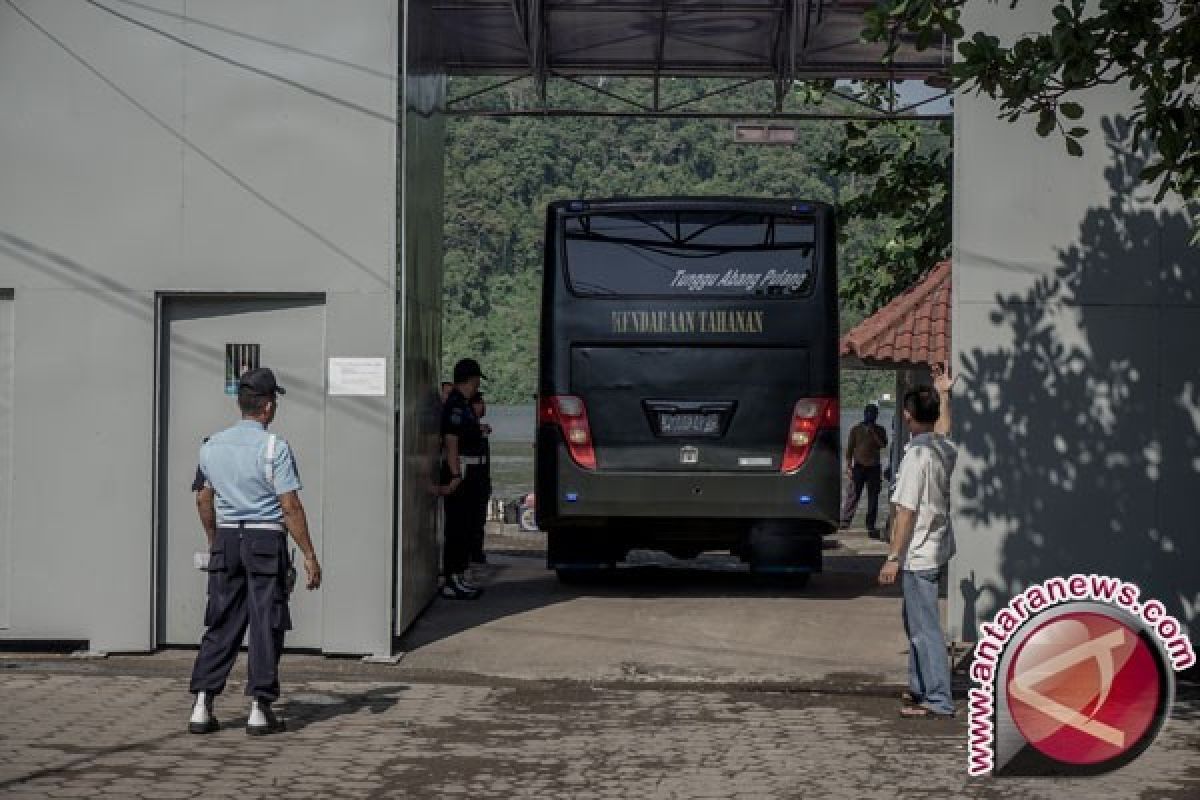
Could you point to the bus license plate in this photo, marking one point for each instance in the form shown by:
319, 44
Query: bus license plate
689, 424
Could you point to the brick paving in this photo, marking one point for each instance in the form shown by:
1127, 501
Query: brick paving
83, 730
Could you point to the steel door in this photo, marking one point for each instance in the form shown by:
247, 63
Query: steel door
196, 338
7, 354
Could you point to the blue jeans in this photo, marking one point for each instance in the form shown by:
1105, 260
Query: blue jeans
928, 663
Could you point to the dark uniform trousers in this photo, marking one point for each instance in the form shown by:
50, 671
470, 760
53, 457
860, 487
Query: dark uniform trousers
481, 492
872, 478
247, 587
462, 508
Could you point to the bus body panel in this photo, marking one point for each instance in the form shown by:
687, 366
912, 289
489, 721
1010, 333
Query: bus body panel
738, 388
811, 495
735, 364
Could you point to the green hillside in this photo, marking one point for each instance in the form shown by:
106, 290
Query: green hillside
501, 173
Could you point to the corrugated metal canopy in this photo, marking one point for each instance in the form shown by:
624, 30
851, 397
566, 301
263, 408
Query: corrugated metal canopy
780, 39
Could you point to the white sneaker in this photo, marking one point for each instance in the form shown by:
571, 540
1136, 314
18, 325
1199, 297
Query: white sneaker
202, 720
456, 588
262, 720
465, 583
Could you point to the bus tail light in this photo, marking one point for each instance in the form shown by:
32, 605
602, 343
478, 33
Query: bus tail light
570, 415
810, 416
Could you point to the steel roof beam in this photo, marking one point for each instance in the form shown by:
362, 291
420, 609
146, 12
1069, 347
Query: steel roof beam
710, 115
530, 18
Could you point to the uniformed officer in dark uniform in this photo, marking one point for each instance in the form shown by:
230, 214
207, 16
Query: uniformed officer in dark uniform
462, 443
483, 490
248, 505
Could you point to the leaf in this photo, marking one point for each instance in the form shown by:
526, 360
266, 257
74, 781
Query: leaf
1071, 110
1152, 172
1074, 147
1046, 122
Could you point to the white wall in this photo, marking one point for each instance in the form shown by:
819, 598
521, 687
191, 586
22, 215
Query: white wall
1077, 305
135, 163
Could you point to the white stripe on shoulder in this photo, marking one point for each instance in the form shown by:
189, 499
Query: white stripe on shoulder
269, 467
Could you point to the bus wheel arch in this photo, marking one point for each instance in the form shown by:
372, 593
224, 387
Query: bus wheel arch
580, 548
785, 547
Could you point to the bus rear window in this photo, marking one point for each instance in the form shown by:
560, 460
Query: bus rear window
696, 254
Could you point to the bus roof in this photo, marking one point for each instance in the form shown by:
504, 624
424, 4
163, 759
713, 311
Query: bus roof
691, 203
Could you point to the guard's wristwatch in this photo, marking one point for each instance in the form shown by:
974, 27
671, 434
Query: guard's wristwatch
892, 557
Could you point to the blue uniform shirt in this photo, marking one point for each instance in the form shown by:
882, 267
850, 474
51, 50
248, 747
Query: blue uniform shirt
234, 463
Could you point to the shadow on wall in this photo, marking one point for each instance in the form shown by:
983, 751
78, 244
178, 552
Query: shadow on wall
1088, 420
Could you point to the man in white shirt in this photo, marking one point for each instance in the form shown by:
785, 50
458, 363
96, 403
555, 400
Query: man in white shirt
923, 542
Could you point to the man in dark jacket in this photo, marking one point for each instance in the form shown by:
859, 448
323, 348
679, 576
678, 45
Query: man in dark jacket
867, 440
462, 441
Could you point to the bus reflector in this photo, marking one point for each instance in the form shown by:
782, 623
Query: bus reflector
569, 414
809, 416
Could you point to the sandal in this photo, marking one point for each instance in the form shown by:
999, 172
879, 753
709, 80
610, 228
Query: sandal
910, 711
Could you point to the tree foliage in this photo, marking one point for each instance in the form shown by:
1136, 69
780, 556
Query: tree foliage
1152, 46
902, 172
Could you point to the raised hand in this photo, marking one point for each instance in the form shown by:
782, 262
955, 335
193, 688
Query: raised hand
943, 383
942, 380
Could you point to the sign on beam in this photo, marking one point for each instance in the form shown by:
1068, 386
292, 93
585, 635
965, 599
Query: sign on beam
764, 134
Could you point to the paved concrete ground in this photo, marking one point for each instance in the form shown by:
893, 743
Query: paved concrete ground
661, 683
660, 619
118, 731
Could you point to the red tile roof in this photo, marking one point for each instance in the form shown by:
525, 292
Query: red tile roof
912, 329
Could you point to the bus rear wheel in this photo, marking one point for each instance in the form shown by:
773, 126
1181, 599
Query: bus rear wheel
577, 555
784, 554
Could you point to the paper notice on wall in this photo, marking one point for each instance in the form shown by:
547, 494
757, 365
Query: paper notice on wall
363, 377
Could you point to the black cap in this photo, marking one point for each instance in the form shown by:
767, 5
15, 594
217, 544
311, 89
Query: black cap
466, 369
261, 381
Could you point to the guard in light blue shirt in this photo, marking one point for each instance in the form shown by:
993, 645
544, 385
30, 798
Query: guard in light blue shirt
246, 475
248, 503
